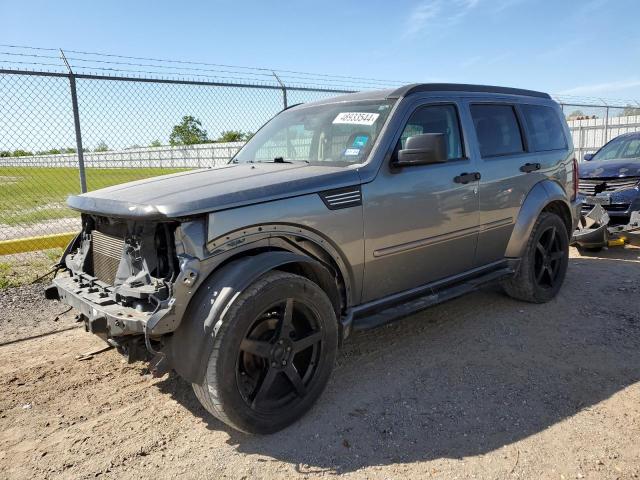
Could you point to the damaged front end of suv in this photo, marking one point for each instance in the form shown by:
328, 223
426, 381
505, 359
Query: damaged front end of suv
124, 279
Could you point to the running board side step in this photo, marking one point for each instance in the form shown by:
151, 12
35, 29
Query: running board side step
430, 297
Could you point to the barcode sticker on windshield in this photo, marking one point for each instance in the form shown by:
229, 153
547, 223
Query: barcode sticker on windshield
356, 118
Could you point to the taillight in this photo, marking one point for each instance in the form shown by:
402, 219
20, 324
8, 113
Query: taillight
575, 179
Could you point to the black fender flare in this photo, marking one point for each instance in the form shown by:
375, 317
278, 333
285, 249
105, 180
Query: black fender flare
189, 348
541, 195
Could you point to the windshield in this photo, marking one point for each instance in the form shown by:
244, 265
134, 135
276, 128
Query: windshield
337, 134
619, 148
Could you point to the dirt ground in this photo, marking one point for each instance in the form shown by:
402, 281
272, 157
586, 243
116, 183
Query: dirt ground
480, 387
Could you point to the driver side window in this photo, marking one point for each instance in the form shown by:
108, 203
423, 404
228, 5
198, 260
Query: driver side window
436, 119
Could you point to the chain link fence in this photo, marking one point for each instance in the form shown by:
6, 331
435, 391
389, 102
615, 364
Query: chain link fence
63, 132
594, 125
124, 128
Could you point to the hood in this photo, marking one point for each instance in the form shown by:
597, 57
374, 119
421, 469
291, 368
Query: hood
201, 191
610, 168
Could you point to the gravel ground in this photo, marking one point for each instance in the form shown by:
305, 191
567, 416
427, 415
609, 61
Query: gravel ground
24, 312
480, 387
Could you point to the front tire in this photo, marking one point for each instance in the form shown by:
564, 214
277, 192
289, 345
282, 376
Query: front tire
544, 263
272, 356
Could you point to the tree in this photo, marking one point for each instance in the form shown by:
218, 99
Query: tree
234, 136
101, 147
4, 153
51, 151
576, 113
155, 143
188, 132
22, 153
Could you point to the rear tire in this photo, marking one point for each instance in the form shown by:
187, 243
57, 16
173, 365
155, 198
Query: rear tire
272, 356
544, 263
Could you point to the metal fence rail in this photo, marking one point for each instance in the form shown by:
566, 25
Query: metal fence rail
65, 133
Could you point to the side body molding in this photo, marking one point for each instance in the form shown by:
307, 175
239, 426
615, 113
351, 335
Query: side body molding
189, 348
537, 199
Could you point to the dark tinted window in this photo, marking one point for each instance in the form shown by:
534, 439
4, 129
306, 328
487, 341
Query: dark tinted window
544, 128
436, 119
497, 129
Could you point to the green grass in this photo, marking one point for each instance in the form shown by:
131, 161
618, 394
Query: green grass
32, 195
24, 268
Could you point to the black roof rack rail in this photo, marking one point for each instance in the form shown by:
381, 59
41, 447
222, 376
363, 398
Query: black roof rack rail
461, 87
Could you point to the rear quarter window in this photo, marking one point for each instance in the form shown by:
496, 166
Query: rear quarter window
544, 129
497, 130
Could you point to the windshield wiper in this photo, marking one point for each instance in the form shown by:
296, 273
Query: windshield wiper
282, 160
275, 160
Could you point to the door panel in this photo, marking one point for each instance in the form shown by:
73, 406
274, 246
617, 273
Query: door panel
503, 185
420, 225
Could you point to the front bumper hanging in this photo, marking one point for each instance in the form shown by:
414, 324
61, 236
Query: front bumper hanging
92, 298
594, 230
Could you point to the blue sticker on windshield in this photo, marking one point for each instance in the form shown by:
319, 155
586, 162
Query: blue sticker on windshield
360, 141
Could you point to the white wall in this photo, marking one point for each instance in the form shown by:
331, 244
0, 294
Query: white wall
190, 156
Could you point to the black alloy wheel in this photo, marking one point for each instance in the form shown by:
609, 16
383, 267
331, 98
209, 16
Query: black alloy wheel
548, 257
272, 354
543, 265
279, 355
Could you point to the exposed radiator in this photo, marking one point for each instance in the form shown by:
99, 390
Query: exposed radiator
106, 252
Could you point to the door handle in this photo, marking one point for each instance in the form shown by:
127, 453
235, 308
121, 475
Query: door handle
467, 177
530, 167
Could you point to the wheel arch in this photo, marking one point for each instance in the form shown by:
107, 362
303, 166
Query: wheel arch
189, 347
545, 196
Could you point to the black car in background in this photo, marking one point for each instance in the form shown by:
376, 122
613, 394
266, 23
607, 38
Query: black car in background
612, 175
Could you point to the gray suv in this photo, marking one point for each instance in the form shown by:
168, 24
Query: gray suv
338, 215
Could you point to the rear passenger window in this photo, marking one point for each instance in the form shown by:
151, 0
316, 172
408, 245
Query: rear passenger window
497, 130
436, 119
544, 128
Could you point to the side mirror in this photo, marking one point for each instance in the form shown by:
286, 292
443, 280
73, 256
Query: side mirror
423, 149
587, 157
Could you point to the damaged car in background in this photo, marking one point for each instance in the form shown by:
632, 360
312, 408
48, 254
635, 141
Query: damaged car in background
609, 189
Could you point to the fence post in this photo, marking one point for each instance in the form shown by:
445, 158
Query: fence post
284, 90
606, 126
580, 141
76, 122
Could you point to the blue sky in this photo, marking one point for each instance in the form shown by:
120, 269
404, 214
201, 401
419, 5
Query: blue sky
585, 48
